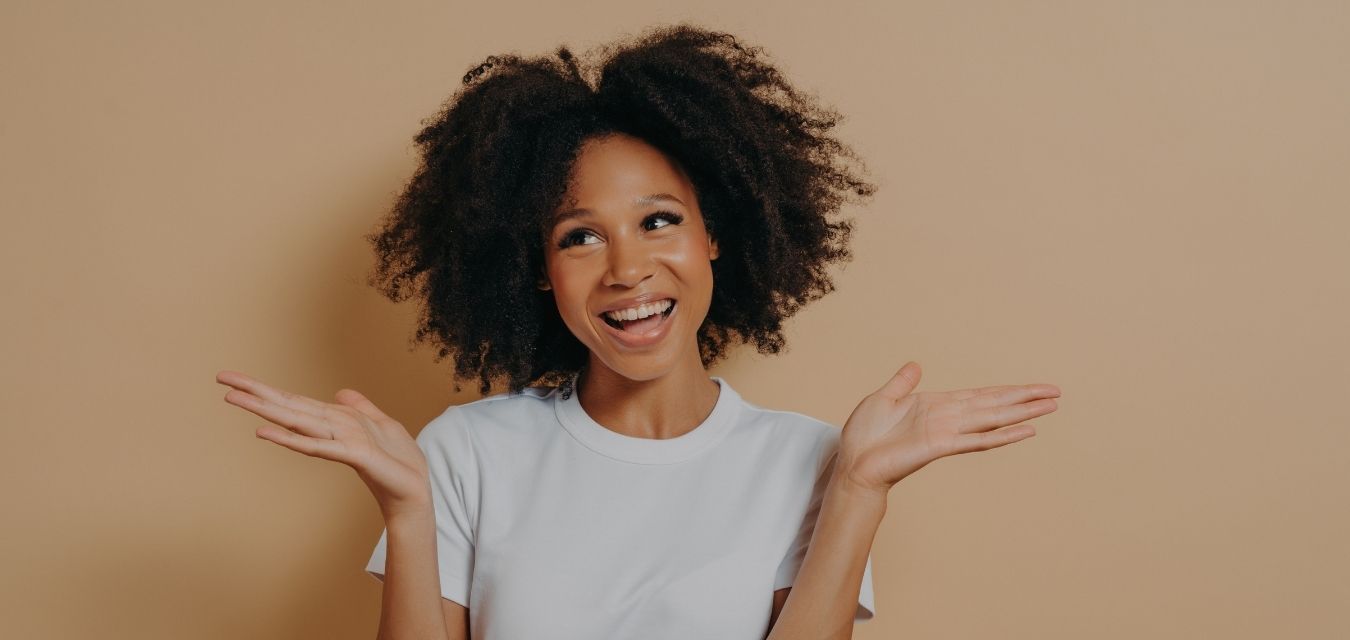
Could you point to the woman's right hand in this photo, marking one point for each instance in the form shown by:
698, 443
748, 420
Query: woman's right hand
354, 432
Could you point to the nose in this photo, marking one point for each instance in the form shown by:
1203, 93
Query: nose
629, 263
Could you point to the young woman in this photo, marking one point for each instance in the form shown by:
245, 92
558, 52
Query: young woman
596, 236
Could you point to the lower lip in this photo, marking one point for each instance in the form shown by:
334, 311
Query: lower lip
637, 341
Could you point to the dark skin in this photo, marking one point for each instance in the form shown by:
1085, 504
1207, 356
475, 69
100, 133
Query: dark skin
621, 247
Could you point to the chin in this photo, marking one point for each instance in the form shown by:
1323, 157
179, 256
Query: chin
638, 368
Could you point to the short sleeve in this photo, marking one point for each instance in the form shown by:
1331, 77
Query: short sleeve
792, 561
454, 490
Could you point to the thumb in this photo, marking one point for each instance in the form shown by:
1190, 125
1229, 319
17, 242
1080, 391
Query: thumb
356, 400
903, 382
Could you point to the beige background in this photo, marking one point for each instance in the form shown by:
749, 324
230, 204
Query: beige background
1142, 202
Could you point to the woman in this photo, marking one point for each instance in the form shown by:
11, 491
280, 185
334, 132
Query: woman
597, 244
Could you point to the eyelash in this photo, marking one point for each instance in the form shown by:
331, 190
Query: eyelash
671, 216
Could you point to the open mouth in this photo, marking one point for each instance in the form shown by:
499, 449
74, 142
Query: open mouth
639, 326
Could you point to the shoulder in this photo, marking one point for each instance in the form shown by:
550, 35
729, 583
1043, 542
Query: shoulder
504, 408
789, 423
494, 416
791, 432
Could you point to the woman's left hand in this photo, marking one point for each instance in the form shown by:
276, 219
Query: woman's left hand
894, 432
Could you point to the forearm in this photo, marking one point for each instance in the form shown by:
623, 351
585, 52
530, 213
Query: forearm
824, 597
411, 606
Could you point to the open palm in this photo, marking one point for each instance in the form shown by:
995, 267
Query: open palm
894, 432
354, 432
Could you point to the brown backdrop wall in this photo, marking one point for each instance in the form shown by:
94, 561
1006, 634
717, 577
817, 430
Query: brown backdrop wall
1142, 202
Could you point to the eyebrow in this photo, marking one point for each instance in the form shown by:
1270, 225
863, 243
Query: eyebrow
641, 201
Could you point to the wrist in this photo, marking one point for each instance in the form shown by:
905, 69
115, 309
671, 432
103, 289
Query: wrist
414, 512
851, 490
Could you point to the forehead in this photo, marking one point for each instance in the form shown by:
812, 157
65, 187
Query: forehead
619, 172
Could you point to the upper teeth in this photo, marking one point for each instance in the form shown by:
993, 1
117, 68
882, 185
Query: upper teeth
640, 311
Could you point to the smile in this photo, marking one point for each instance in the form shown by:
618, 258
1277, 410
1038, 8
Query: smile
641, 332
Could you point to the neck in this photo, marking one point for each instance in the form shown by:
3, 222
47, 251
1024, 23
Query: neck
660, 408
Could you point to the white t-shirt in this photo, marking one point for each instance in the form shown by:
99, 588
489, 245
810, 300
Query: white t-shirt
549, 525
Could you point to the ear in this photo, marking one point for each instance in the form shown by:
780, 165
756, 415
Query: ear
713, 251
543, 284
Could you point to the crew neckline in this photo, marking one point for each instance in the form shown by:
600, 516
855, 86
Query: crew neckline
613, 444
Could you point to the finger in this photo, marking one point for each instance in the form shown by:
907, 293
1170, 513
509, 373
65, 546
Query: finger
970, 442
903, 382
313, 447
271, 394
1002, 416
1010, 394
357, 400
1046, 390
286, 416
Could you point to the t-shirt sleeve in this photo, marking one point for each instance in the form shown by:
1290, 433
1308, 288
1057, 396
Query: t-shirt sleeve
454, 491
792, 561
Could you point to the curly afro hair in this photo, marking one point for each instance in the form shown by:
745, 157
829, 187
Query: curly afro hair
467, 234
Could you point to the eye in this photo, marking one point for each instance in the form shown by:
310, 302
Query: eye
650, 223
575, 237
670, 216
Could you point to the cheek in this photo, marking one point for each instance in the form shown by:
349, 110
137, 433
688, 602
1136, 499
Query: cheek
570, 290
692, 260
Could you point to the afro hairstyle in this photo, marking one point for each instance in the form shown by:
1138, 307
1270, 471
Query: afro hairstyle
467, 234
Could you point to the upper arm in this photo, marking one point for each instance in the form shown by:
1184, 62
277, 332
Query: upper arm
779, 599
456, 619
